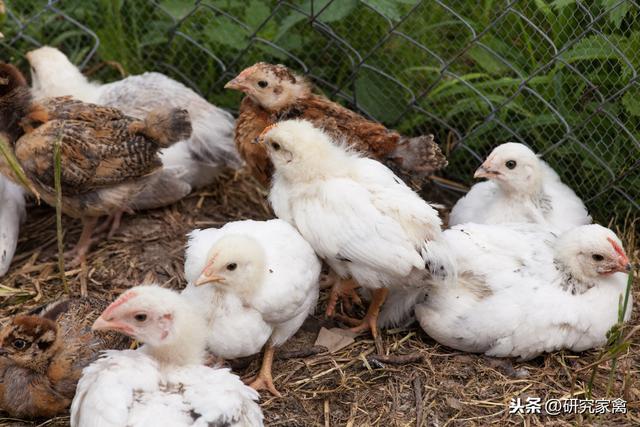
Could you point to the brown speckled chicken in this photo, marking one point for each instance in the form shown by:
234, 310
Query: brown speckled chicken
42, 355
107, 157
275, 93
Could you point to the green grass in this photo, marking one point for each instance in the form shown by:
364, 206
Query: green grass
569, 67
57, 167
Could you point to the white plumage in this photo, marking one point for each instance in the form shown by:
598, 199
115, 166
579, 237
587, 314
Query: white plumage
521, 188
356, 214
12, 213
520, 291
164, 382
268, 294
191, 163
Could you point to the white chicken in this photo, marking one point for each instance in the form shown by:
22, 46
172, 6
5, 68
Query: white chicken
356, 214
188, 164
163, 383
12, 213
521, 188
257, 281
520, 291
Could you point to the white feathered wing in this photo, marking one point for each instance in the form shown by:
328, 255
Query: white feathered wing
126, 388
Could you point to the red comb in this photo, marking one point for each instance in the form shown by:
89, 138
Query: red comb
617, 248
117, 303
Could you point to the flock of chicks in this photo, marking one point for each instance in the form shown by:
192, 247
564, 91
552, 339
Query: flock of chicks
520, 271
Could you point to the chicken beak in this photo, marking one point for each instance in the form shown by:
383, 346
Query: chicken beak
237, 84
3, 352
101, 324
261, 138
624, 266
207, 276
485, 171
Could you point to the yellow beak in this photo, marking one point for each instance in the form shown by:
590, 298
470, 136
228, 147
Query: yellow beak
208, 278
237, 84
485, 171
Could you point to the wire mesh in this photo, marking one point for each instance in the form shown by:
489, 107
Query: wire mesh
560, 76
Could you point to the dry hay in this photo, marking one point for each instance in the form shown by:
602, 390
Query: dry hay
349, 388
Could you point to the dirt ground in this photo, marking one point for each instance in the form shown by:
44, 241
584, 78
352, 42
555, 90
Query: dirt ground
440, 387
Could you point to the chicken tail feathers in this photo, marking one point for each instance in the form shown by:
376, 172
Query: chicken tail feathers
166, 127
420, 155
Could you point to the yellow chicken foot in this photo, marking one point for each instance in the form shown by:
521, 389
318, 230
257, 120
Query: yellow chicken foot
264, 379
370, 321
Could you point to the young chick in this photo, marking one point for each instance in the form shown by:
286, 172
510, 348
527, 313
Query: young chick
356, 214
12, 213
275, 93
42, 355
192, 162
107, 157
519, 292
164, 383
260, 277
521, 188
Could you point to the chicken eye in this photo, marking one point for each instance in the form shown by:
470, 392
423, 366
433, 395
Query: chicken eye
33, 70
19, 344
511, 164
140, 317
597, 257
263, 83
275, 146
232, 266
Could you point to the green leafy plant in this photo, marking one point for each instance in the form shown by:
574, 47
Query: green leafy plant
57, 175
9, 157
617, 342
559, 75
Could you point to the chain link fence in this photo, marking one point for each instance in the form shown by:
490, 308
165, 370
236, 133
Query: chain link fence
560, 76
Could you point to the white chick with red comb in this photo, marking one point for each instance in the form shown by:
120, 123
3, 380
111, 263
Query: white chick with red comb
519, 291
521, 187
357, 215
257, 281
164, 383
190, 163
12, 213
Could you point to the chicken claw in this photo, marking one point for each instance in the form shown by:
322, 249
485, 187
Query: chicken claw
264, 379
345, 290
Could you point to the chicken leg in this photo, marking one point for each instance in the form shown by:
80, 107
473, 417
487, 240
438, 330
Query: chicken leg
345, 290
264, 379
111, 223
79, 252
370, 321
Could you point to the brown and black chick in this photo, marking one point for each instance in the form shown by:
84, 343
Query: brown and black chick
106, 157
275, 93
42, 355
